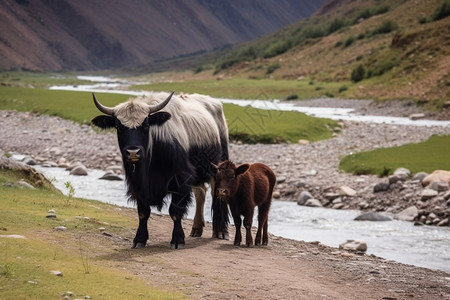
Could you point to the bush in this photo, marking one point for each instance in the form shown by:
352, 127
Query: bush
385, 27
343, 88
349, 41
277, 48
442, 11
335, 25
292, 97
358, 73
271, 68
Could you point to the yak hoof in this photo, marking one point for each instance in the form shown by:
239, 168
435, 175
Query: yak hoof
221, 235
196, 232
138, 245
177, 246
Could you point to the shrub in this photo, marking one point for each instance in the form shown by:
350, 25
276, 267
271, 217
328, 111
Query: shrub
292, 97
349, 41
442, 11
271, 68
343, 88
277, 48
335, 25
385, 27
358, 73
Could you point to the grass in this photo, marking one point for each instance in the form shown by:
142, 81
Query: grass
25, 264
427, 156
246, 88
75, 106
250, 125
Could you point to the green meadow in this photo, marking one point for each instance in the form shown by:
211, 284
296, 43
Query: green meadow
433, 154
246, 124
246, 88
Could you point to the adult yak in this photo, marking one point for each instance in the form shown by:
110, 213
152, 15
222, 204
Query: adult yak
170, 152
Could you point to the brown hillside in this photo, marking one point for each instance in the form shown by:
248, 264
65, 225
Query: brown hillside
95, 34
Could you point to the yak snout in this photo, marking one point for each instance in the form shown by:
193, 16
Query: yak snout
133, 155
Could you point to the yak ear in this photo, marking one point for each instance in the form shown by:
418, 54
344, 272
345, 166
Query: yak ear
104, 122
158, 118
242, 169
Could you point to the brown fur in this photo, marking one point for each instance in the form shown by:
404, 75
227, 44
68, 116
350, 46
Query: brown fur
243, 188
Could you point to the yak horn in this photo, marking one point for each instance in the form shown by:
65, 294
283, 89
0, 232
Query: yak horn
104, 109
159, 106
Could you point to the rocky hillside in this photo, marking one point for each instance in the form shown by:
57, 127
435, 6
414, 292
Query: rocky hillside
94, 34
376, 49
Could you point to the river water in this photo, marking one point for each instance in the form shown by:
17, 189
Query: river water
423, 246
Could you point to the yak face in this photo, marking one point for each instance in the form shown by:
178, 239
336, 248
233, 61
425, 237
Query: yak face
133, 142
227, 179
132, 121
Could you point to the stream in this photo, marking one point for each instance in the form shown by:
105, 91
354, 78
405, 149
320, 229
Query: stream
424, 246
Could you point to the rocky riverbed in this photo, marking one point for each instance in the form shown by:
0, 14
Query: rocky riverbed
304, 170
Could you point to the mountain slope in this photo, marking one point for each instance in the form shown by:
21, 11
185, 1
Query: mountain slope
96, 34
401, 48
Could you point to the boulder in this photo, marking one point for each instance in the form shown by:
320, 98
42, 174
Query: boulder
438, 175
417, 116
420, 176
402, 171
408, 214
372, 216
111, 176
347, 191
439, 186
354, 245
79, 170
304, 196
428, 194
381, 187
313, 203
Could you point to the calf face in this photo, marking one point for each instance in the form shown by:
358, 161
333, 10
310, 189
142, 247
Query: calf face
226, 179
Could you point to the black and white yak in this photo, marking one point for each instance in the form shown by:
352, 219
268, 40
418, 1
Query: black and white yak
168, 143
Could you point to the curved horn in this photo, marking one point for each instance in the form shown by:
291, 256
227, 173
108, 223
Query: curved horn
104, 109
159, 106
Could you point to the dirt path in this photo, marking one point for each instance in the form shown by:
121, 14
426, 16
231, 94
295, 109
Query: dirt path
286, 269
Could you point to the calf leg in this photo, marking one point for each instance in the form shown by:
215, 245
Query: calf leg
263, 216
248, 220
142, 232
237, 224
199, 221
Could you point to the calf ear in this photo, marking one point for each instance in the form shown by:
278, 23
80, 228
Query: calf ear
104, 122
158, 118
242, 169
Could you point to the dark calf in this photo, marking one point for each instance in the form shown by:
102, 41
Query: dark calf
243, 188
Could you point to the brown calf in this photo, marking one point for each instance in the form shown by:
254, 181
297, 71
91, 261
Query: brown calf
243, 188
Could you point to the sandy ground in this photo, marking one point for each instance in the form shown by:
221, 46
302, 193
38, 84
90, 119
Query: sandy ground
216, 269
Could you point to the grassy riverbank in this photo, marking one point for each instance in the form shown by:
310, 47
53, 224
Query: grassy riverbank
26, 262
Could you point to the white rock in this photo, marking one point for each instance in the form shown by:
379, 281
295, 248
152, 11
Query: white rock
354, 245
408, 214
347, 191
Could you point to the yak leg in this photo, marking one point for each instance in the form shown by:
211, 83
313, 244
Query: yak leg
263, 216
181, 198
199, 221
142, 232
220, 215
237, 224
